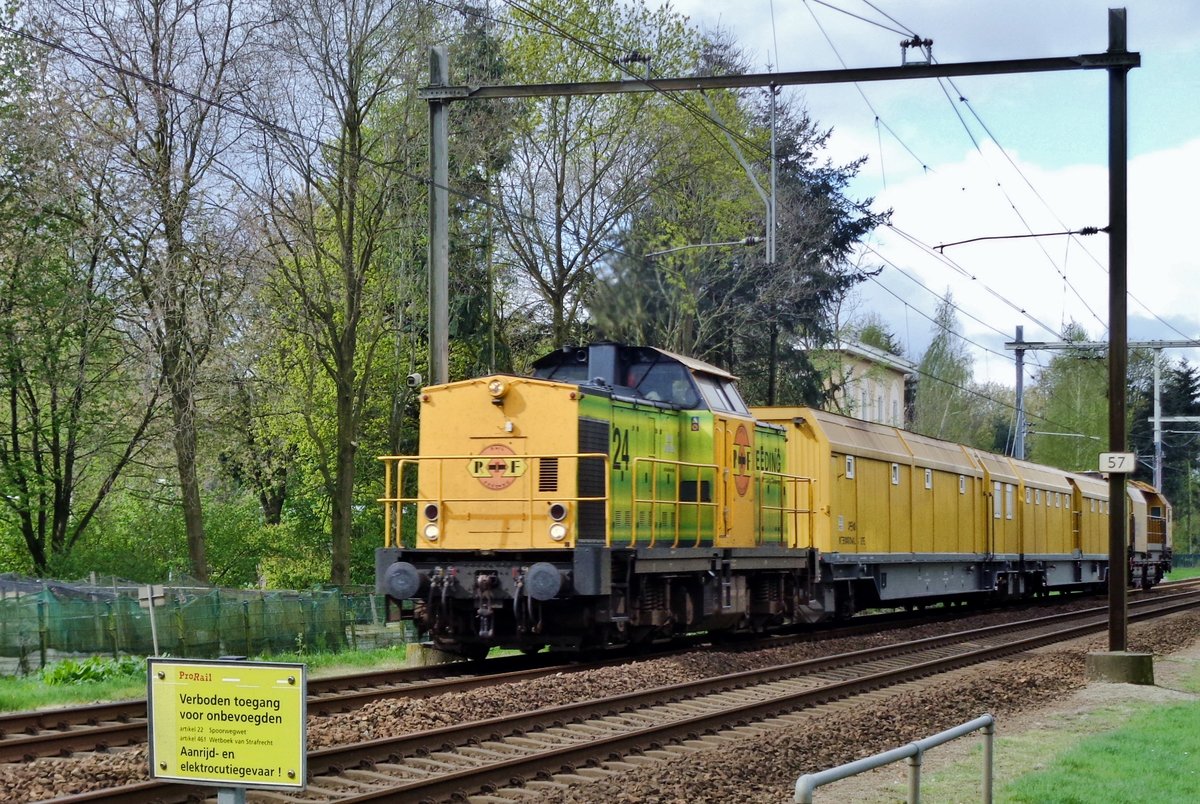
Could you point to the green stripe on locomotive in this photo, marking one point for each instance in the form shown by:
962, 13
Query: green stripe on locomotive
659, 458
770, 446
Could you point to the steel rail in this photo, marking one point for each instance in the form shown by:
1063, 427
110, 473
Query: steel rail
50, 732
336, 760
55, 732
568, 756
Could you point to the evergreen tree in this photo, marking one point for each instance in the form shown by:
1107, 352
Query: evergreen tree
874, 331
1180, 397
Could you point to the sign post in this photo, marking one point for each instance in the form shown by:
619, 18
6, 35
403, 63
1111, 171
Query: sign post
152, 596
234, 724
1122, 463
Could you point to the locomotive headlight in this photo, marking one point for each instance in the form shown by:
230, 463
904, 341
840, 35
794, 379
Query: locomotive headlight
497, 388
558, 512
558, 531
432, 532
431, 512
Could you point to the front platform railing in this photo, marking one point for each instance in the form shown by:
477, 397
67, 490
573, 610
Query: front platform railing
674, 504
435, 485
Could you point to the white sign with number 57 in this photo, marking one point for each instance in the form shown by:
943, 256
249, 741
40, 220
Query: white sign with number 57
1121, 463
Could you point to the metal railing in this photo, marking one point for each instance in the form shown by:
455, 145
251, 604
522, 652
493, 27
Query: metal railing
795, 516
662, 492
914, 753
677, 474
433, 486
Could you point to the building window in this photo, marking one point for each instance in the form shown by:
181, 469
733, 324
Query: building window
928, 478
850, 467
895, 411
895, 474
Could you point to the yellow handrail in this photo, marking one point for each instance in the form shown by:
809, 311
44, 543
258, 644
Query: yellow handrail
654, 502
394, 499
789, 513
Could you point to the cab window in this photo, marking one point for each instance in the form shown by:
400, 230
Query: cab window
720, 394
665, 382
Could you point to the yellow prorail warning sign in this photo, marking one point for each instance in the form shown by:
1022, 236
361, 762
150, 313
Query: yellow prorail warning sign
229, 723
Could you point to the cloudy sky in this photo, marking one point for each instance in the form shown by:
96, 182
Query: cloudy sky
1024, 153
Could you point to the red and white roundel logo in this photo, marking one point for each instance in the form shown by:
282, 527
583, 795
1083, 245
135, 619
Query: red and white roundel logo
497, 467
741, 460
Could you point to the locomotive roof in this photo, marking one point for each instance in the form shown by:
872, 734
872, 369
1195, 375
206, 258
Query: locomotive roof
644, 374
639, 354
694, 364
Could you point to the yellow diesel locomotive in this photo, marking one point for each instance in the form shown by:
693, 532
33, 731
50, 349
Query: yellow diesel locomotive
625, 493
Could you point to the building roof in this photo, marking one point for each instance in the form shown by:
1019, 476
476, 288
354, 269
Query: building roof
875, 355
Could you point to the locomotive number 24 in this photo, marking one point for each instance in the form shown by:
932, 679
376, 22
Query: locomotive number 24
620, 449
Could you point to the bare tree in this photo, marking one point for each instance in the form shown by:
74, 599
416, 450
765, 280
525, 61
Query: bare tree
334, 186
156, 77
581, 165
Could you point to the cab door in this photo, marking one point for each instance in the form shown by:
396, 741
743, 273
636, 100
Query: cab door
735, 442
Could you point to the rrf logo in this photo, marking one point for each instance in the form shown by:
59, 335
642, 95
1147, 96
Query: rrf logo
741, 460
497, 467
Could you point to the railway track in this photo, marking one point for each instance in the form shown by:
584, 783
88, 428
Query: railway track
54, 732
58, 732
598, 736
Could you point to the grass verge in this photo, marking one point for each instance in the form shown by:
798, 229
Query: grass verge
20, 693
1155, 757
1125, 751
1180, 573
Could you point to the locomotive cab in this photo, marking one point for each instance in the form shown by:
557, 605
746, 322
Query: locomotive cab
643, 374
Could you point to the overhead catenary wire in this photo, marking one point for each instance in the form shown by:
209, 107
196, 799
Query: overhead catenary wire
571, 37
944, 84
575, 39
879, 121
867, 20
902, 28
289, 132
1053, 213
1007, 357
538, 15
914, 240
963, 123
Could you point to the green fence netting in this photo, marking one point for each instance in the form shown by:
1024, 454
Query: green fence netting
38, 622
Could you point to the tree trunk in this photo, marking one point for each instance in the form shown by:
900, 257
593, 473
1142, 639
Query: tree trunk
772, 364
182, 406
342, 519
